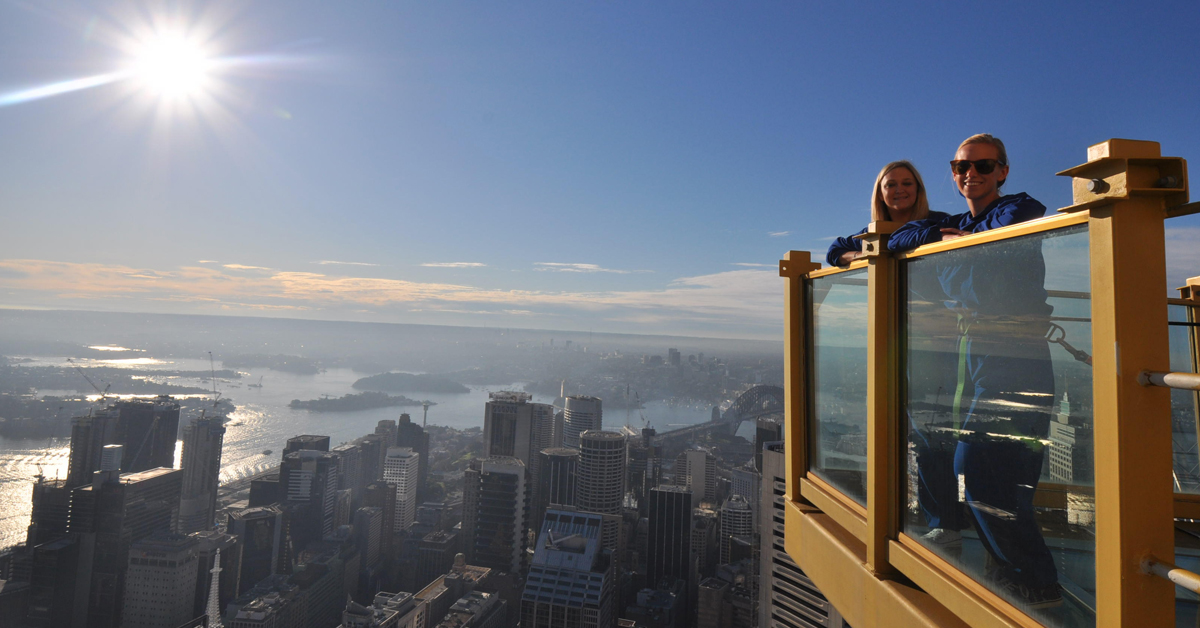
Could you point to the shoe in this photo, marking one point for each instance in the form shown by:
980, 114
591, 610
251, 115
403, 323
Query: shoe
941, 538
1031, 597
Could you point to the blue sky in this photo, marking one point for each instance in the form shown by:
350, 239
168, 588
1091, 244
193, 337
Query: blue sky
594, 166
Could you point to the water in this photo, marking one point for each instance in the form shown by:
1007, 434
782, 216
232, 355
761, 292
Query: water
264, 421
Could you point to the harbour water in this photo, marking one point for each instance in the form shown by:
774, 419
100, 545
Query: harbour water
264, 421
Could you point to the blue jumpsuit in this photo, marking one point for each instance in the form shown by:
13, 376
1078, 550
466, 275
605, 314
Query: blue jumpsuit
1005, 384
846, 244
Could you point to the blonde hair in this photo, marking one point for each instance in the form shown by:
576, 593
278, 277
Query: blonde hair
990, 140
879, 211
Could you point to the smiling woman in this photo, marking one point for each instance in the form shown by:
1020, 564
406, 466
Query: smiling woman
172, 65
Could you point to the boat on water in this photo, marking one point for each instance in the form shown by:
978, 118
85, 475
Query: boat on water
267, 452
258, 385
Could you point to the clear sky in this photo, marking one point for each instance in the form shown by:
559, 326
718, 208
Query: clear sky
636, 167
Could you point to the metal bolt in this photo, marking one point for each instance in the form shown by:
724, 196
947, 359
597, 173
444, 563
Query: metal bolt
1097, 186
1168, 181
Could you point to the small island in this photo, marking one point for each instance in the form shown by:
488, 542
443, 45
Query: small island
351, 402
407, 382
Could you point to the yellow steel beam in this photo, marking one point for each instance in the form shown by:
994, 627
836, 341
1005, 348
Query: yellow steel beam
835, 561
883, 373
793, 268
845, 511
1040, 225
1134, 506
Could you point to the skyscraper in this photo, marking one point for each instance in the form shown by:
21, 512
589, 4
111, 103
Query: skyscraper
557, 483
580, 414
737, 520
306, 442
571, 577
160, 584
308, 477
260, 531
787, 598
89, 434
669, 548
600, 486
400, 470
413, 436
495, 511
147, 429
697, 470
116, 511
201, 462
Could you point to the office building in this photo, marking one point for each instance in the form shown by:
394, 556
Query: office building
474, 610
148, 430
382, 495
52, 584
260, 533
438, 596
201, 463
697, 470
373, 453
160, 583
559, 468
674, 358
745, 481
436, 555
208, 545
387, 430
571, 576
787, 598
706, 544
600, 484
711, 609
400, 470
413, 436
737, 520
495, 511
514, 426
669, 545
306, 442
116, 511
308, 480
89, 435
349, 458
580, 414
387, 610
51, 509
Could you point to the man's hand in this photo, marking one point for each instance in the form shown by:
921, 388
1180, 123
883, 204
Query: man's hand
949, 233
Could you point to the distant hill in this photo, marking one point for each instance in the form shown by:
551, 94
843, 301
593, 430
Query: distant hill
407, 382
350, 403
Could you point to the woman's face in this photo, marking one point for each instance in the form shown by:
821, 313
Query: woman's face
899, 188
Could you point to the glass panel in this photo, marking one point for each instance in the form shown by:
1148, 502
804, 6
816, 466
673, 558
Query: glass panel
839, 433
999, 403
1183, 402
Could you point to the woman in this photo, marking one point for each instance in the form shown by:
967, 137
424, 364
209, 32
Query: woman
898, 196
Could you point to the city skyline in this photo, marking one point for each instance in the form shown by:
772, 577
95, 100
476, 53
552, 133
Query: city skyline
606, 168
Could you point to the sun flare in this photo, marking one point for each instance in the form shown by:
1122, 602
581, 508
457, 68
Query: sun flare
172, 66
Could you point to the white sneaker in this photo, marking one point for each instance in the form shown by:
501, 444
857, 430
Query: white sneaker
941, 538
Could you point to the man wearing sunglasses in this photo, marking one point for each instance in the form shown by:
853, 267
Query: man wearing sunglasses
1003, 382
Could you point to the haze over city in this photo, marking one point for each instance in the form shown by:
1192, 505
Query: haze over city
606, 167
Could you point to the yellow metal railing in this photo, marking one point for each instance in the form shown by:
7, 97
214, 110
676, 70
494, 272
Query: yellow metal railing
855, 546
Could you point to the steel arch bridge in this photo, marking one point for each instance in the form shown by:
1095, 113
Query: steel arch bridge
755, 402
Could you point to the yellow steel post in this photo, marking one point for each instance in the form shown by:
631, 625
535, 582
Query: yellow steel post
883, 373
793, 267
1191, 292
1127, 186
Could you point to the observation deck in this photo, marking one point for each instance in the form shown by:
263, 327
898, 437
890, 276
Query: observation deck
1000, 430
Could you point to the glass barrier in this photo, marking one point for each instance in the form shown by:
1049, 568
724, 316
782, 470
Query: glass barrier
998, 400
839, 380
1180, 320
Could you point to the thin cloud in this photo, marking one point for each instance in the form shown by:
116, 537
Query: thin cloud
562, 267
827, 238
244, 267
753, 265
207, 261
326, 262
779, 234
453, 265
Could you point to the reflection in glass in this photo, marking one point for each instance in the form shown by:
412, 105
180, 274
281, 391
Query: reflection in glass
839, 433
998, 395
1184, 407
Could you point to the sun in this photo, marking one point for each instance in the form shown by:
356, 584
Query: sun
172, 66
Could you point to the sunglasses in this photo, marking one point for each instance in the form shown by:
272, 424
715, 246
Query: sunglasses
982, 166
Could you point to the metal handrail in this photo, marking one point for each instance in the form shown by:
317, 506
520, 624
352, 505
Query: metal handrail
1179, 381
1181, 577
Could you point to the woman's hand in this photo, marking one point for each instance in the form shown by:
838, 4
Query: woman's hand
848, 256
949, 233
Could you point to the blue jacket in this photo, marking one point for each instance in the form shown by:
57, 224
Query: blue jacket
1004, 211
844, 245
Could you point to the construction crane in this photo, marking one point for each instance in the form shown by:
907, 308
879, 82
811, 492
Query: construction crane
103, 393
